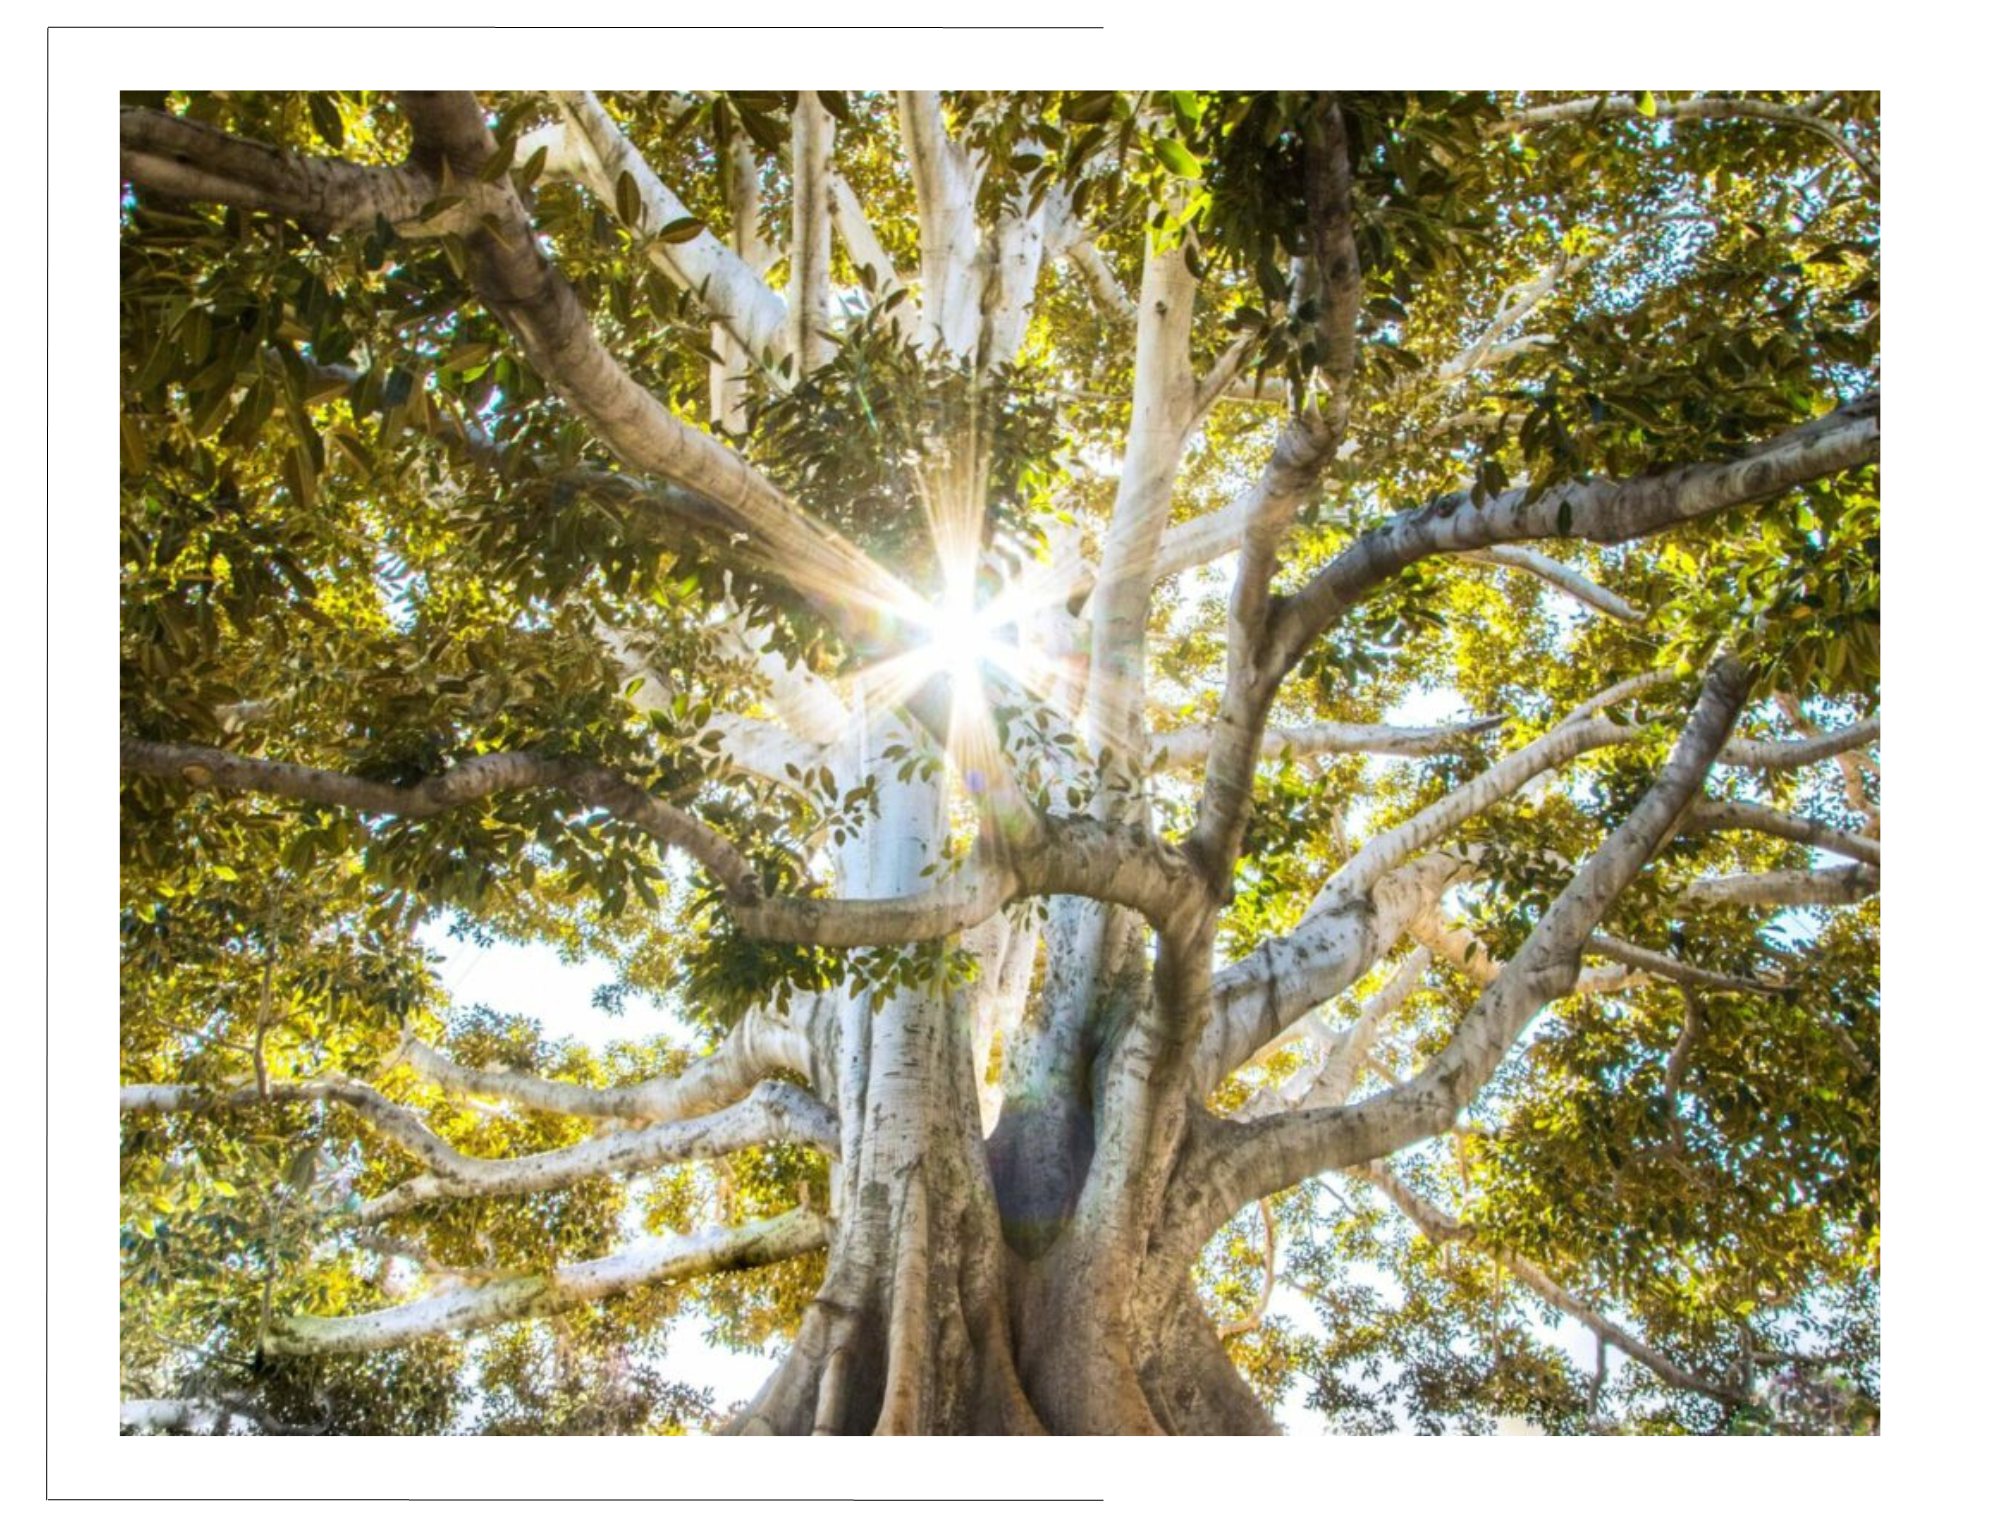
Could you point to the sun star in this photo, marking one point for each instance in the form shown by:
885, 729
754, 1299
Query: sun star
963, 638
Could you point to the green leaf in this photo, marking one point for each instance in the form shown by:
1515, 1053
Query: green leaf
1647, 106
1174, 154
326, 120
1090, 106
630, 203
680, 230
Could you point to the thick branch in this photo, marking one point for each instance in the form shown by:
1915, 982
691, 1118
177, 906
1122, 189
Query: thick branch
810, 292
198, 163
754, 1050
730, 287
1260, 997
517, 281
1339, 1066
1604, 510
1796, 754
970, 895
1267, 1155
480, 777
1162, 399
1755, 817
1189, 745
774, 1112
947, 185
1844, 884
514, 1299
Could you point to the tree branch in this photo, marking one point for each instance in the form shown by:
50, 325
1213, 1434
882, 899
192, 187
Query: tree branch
1509, 776
1797, 753
1258, 998
517, 1298
1578, 587
519, 284
810, 293
517, 281
1843, 884
1259, 1158
1162, 395
1332, 268
865, 249
206, 768
1755, 817
756, 1048
1680, 972
1072, 238
1189, 745
388, 1119
730, 288
197, 163
1339, 1069
1618, 108
1603, 510
774, 1112
947, 185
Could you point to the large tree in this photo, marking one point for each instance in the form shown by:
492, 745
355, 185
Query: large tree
1188, 693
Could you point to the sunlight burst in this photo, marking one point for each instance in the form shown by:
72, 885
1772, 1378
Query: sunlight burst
963, 639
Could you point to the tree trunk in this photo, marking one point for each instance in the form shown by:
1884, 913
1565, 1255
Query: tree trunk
960, 1294
929, 1322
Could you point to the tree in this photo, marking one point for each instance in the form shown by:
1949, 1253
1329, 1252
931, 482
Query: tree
1188, 691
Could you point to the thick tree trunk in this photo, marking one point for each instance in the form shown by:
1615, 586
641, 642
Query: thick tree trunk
963, 1293
960, 1294
930, 1322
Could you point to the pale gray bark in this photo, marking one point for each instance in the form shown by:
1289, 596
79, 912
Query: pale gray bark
1755, 817
1188, 745
518, 1297
1843, 884
809, 295
947, 185
758, 1047
1264, 1155
1796, 754
731, 288
1577, 586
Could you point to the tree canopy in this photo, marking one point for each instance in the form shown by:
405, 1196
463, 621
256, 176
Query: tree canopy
1242, 727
